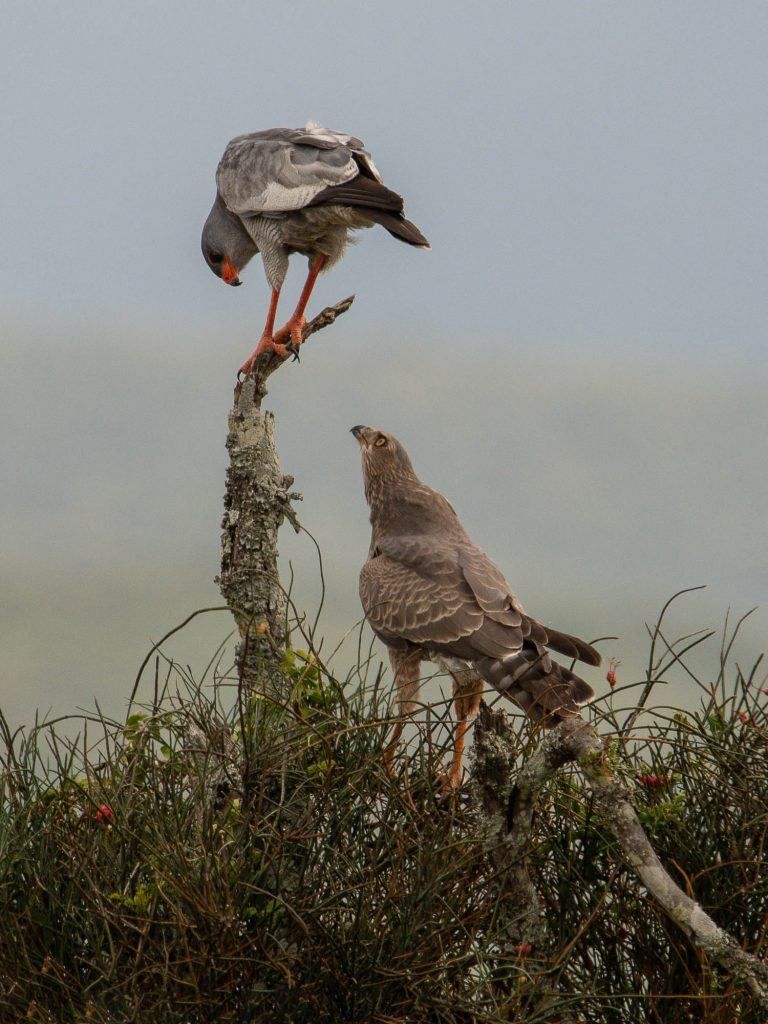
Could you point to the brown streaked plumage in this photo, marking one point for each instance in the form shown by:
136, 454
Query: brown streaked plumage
430, 593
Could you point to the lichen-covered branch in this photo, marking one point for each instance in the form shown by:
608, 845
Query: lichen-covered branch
256, 500
580, 741
507, 805
506, 800
212, 763
510, 813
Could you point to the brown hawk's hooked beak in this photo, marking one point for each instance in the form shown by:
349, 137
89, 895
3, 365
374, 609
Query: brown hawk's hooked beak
361, 434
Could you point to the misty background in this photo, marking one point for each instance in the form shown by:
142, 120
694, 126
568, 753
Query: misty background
579, 364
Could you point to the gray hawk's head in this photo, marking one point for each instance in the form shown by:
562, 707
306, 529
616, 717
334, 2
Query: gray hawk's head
226, 245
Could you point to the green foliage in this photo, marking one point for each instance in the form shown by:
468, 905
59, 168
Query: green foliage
283, 876
663, 815
699, 782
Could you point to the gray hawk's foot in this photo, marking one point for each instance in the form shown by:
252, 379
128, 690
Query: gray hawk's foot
289, 338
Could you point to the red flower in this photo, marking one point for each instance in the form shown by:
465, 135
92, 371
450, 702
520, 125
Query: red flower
613, 664
104, 815
743, 718
652, 781
523, 950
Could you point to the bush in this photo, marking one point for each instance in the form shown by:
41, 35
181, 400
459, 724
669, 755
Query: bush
220, 857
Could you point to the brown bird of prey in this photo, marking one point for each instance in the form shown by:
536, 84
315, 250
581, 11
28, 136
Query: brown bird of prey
289, 190
430, 593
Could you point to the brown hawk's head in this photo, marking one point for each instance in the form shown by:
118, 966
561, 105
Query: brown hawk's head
384, 460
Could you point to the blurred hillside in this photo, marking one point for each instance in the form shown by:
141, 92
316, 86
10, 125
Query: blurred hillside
601, 480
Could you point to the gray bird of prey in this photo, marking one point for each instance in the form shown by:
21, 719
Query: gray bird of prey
287, 190
430, 593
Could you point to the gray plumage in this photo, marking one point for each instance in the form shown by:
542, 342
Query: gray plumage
288, 190
429, 591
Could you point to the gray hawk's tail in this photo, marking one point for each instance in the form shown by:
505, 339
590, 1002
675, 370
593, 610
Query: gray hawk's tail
397, 225
377, 203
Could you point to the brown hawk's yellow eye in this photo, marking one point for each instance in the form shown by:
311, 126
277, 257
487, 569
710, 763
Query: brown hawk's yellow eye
380, 441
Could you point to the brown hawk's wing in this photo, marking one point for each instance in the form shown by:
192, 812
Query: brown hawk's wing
451, 599
427, 605
495, 597
489, 586
414, 589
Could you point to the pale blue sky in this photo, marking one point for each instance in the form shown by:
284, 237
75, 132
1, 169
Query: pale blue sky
593, 171
579, 362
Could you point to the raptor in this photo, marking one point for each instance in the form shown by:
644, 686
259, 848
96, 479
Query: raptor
295, 190
430, 593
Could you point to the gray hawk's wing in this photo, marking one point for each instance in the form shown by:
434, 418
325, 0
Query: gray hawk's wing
284, 169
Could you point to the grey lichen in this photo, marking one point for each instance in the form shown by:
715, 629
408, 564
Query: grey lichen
256, 501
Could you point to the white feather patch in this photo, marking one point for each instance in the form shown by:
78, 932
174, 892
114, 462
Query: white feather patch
280, 197
326, 134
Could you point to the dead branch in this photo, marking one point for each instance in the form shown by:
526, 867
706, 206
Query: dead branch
576, 740
256, 500
268, 362
506, 835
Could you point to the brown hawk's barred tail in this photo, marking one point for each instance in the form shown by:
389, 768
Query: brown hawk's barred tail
571, 646
546, 690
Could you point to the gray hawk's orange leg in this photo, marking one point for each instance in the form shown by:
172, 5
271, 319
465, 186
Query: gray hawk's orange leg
293, 328
267, 339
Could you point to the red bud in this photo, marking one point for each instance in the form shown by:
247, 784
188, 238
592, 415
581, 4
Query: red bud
613, 664
104, 815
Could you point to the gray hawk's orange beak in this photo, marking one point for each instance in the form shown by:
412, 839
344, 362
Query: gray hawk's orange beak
230, 274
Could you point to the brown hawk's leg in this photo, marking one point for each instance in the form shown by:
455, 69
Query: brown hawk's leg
466, 703
406, 671
292, 330
467, 693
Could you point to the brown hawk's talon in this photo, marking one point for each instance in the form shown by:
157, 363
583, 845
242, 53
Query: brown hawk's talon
448, 786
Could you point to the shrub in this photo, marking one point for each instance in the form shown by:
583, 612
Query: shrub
221, 857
